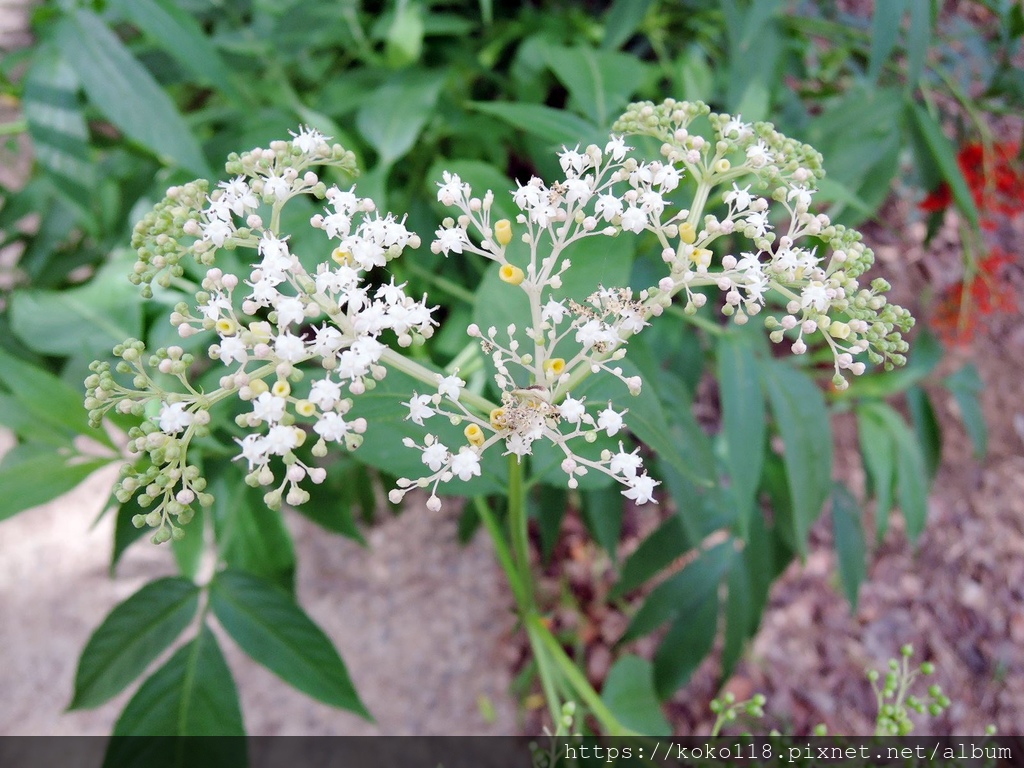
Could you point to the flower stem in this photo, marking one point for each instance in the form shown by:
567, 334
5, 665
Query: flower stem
420, 372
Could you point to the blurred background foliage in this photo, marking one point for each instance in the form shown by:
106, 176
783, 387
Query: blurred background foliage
123, 98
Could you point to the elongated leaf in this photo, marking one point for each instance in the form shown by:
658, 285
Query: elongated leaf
553, 126
178, 33
600, 82
392, 118
656, 552
622, 21
849, 541
919, 36
193, 694
40, 479
125, 92
91, 318
878, 452
681, 593
252, 536
685, 645
885, 30
743, 414
131, 637
46, 398
188, 550
966, 386
125, 532
550, 503
738, 609
60, 137
802, 419
944, 154
911, 473
272, 628
926, 427
629, 693
602, 513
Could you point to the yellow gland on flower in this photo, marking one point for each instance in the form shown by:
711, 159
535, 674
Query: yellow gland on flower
555, 366
341, 256
722, 166
511, 275
702, 257
503, 231
498, 419
281, 388
305, 408
226, 326
258, 387
838, 329
300, 436
474, 435
687, 232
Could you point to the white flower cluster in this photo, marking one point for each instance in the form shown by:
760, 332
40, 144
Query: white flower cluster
269, 325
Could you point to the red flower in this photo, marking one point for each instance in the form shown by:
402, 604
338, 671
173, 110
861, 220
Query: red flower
967, 307
996, 182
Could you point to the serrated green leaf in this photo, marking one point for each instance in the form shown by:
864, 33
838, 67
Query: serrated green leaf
553, 126
125, 92
60, 137
802, 420
877, 451
743, 416
392, 118
271, 627
966, 386
688, 641
600, 82
679, 594
629, 693
885, 29
40, 479
175, 31
193, 694
666, 544
131, 637
849, 542
944, 154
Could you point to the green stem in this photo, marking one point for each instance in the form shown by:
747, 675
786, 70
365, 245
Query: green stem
14, 127
501, 549
450, 287
517, 524
420, 372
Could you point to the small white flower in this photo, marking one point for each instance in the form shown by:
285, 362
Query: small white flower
625, 464
466, 463
450, 387
450, 240
330, 426
555, 311
280, 439
435, 456
634, 220
571, 410
269, 408
616, 147
233, 350
452, 191
218, 231
641, 489
254, 450
289, 348
609, 421
290, 310
419, 408
173, 418
324, 393
607, 207
815, 296
741, 198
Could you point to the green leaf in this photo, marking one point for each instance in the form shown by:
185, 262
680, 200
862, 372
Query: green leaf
602, 513
600, 82
802, 420
878, 452
926, 427
392, 118
622, 21
271, 627
696, 78
60, 137
550, 503
252, 537
331, 502
125, 92
885, 29
682, 592
919, 36
404, 43
188, 550
911, 474
131, 637
738, 624
944, 154
47, 398
91, 318
629, 693
553, 126
40, 479
177, 32
966, 386
658, 551
743, 416
125, 532
193, 694
849, 542
685, 645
